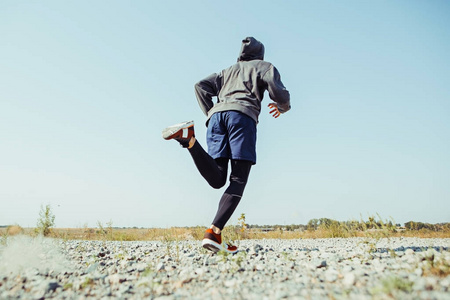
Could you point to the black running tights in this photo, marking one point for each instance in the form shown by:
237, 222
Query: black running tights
215, 173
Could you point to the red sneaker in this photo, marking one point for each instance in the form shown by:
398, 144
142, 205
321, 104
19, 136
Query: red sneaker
213, 242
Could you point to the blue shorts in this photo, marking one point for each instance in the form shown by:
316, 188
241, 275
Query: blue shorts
231, 134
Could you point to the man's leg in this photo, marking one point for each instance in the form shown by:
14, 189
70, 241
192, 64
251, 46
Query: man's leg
241, 135
228, 203
213, 164
240, 170
213, 170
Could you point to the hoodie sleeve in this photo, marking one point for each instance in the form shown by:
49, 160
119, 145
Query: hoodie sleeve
206, 89
276, 89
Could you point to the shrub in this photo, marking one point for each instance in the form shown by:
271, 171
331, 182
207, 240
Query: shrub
46, 220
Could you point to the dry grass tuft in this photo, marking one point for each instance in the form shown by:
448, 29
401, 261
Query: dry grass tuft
317, 228
14, 230
230, 233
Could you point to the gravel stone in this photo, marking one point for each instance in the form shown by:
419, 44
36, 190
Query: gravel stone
349, 280
263, 269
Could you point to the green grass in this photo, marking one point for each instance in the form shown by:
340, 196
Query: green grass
392, 286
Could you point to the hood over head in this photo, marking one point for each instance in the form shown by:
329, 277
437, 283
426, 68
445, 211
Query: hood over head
251, 49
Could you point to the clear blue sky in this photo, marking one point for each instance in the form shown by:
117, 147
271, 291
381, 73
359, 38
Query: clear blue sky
86, 88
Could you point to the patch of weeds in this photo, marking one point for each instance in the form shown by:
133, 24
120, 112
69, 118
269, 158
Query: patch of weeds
87, 282
110, 230
435, 263
46, 221
150, 280
147, 272
287, 256
223, 255
169, 240
335, 229
197, 233
392, 285
243, 227
64, 237
236, 233
177, 251
375, 230
67, 286
120, 255
122, 252
203, 251
81, 248
105, 233
4, 239
345, 293
370, 246
232, 233
378, 229
239, 258
392, 253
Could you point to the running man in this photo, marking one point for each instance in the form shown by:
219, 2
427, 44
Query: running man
231, 133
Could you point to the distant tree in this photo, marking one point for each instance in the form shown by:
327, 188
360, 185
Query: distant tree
411, 225
313, 224
325, 222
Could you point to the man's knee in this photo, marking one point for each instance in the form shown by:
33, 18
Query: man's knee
237, 185
217, 184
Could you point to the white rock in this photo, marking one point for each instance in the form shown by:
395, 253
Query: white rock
349, 279
113, 279
200, 271
409, 252
445, 282
331, 275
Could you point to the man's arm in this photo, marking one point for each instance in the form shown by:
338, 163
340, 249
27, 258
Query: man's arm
206, 89
277, 91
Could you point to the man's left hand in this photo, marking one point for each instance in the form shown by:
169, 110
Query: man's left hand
274, 112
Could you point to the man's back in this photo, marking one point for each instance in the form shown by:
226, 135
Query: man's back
241, 87
244, 83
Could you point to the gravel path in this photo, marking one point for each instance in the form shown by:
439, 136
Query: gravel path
353, 268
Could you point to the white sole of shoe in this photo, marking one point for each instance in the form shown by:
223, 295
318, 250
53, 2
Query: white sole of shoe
215, 247
175, 128
211, 245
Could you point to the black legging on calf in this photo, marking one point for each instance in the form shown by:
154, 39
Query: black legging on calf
240, 169
215, 173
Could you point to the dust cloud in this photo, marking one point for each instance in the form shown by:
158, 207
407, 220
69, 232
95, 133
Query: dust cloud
23, 253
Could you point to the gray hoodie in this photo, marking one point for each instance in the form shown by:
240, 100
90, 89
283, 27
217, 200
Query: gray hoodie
241, 87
